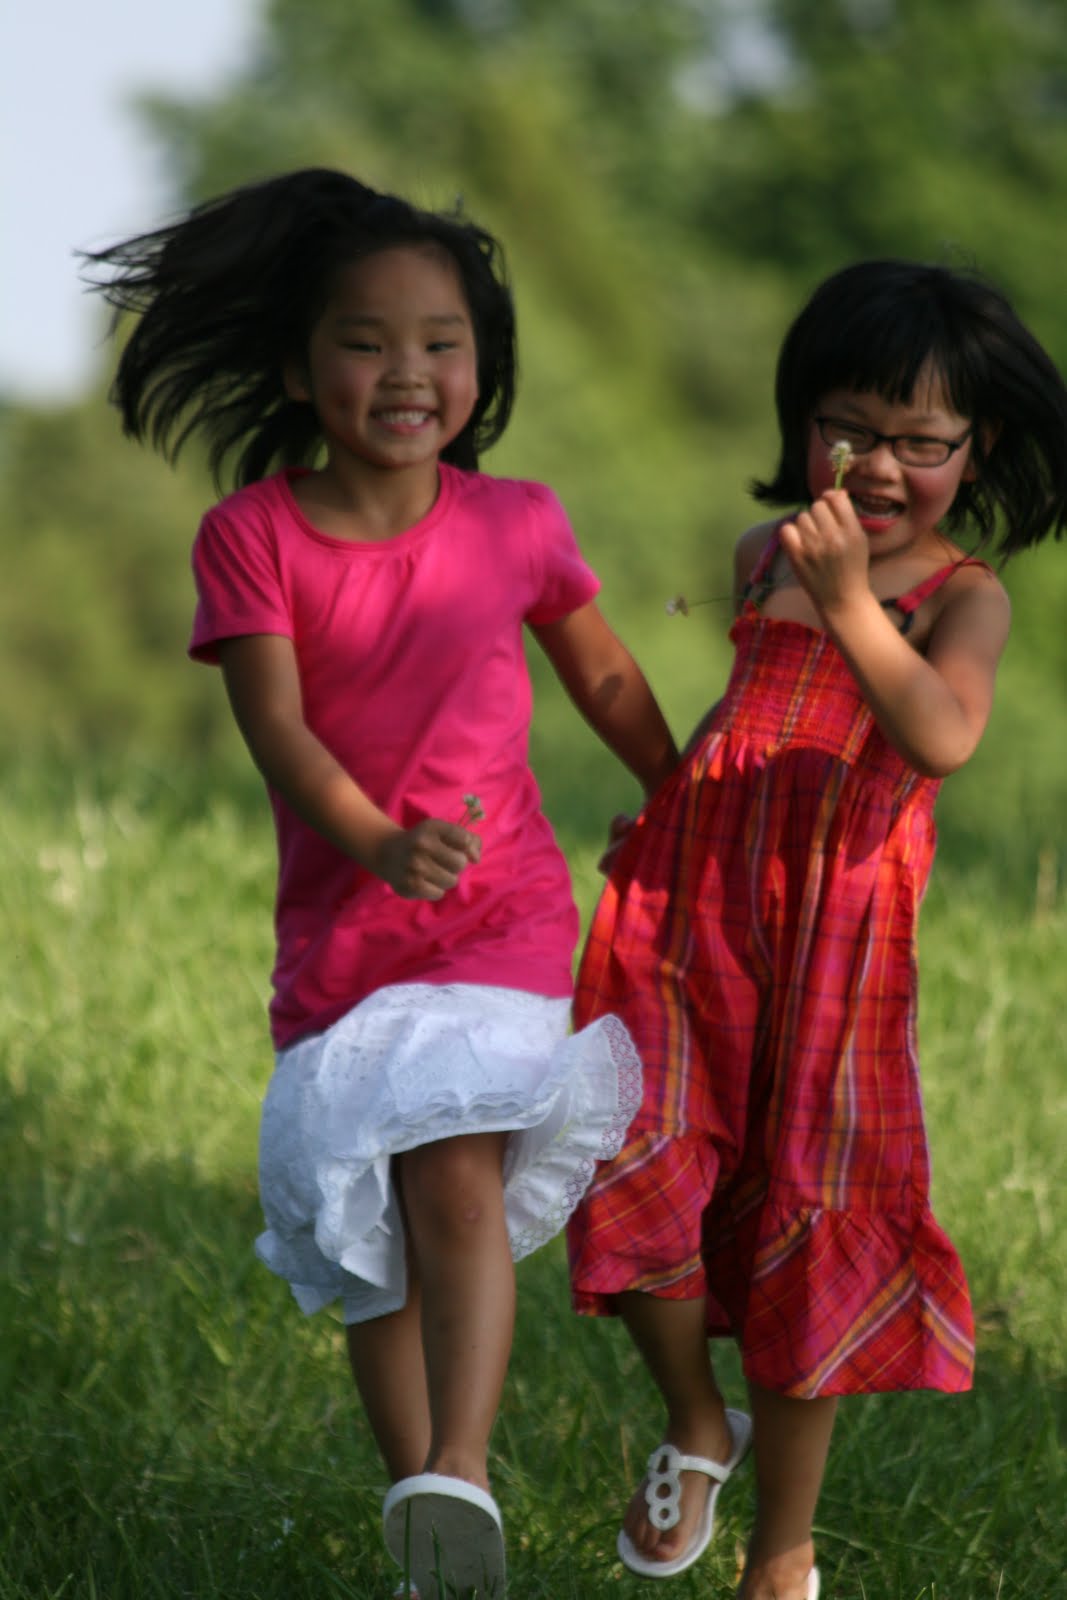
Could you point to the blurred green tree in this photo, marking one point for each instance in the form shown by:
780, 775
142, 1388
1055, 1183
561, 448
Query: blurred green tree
899, 127
670, 177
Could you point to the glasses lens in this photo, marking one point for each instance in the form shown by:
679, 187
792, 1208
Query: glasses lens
833, 432
922, 452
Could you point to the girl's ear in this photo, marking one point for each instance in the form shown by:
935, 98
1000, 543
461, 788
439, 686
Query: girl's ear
988, 433
295, 381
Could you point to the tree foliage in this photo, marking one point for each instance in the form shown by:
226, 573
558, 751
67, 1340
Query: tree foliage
670, 178
903, 128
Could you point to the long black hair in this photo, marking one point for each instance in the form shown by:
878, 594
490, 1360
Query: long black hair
874, 327
228, 295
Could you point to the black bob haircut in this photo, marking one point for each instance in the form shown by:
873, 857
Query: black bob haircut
875, 327
228, 295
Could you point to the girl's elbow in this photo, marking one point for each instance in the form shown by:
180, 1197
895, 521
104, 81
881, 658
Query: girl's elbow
937, 767
944, 757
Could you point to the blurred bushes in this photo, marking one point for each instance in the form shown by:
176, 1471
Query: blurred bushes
660, 236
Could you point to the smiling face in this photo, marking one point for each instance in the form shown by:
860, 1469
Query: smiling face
897, 504
391, 368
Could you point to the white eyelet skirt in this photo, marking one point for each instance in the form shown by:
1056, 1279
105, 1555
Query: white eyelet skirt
415, 1063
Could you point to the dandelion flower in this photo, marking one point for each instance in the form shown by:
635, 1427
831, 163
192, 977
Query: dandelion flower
840, 460
679, 606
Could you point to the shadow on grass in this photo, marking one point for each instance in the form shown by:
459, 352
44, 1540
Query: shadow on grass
927, 1497
173, 1427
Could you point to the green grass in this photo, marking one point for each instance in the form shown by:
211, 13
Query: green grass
171, 1426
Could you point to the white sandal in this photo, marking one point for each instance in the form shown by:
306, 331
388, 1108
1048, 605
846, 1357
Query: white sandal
663, 1494
433, 1521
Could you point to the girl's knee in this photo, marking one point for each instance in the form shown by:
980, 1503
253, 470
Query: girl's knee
454, 1184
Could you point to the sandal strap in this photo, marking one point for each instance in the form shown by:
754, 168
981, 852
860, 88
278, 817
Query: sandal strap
667, 1459
710, 1469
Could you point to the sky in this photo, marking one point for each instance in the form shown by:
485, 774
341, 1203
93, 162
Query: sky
76, 169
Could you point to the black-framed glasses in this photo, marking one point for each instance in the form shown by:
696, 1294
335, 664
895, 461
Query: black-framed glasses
912, 449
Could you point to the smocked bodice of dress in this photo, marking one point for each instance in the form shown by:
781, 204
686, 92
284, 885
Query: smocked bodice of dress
790, 688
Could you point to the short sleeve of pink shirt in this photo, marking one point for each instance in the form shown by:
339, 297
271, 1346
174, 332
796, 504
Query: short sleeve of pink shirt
413, 674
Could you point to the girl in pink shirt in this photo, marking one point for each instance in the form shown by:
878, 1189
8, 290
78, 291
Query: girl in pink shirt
364, 590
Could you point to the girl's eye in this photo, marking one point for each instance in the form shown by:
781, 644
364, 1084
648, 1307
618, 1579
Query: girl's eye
920, 445
438, 345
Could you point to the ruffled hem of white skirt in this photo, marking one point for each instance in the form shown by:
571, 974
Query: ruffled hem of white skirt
416, 1063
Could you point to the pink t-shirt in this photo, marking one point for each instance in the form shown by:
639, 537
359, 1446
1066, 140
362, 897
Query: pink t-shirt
414, 677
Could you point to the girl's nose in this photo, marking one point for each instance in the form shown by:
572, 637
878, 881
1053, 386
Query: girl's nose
880, 457
406, 369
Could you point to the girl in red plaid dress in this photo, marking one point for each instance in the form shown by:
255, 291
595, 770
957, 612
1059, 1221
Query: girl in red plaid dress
757, 930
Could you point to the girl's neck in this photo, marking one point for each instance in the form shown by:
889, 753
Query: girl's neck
364, 502
915, 561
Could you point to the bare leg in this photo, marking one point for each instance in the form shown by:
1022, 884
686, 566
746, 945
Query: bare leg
387, 1363
671, 1337
791, 1440
454, 1204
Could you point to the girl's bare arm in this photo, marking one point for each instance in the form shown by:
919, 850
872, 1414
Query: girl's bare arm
610, 690
933, 708
263, 683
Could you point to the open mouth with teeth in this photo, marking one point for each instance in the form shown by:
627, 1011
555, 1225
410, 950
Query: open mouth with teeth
876, 508
403, 419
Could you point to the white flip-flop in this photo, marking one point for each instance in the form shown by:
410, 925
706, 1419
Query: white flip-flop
441, 1526
663, 1496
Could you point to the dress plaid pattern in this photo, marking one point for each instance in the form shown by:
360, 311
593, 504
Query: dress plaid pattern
757, 937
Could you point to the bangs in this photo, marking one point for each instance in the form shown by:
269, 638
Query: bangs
899, 347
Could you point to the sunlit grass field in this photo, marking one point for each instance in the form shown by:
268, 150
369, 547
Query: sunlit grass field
173, 1427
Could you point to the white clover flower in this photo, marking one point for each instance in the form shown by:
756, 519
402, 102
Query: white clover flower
678, 607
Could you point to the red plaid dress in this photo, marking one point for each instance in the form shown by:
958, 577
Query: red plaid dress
757, 936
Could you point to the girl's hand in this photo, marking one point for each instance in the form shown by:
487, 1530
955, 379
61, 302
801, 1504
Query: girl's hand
621, 825
424, 862
263, 681
828, 551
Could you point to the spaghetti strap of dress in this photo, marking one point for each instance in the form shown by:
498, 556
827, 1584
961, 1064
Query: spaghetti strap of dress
759, 584
908, 604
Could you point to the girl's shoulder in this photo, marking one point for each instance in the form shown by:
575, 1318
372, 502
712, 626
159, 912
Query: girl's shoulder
967, 587
952, 573
252, 501
752, 543
485, 486
750, 548
519, 514
967, 568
